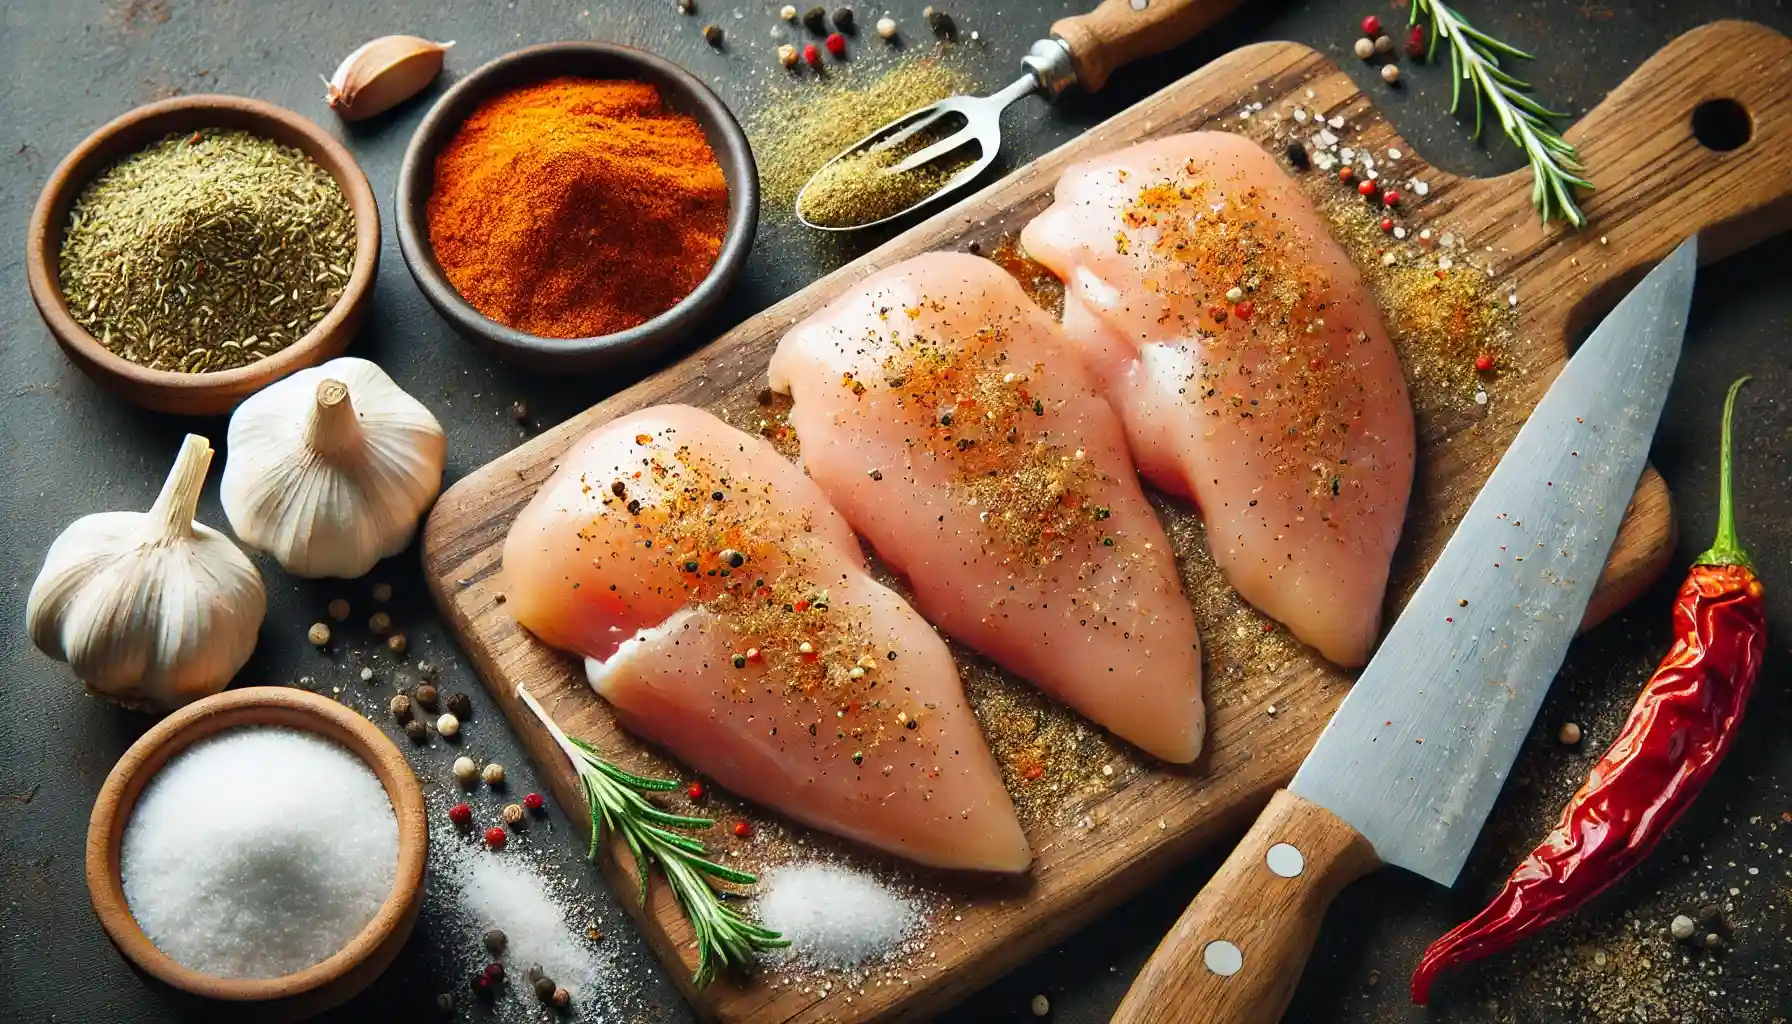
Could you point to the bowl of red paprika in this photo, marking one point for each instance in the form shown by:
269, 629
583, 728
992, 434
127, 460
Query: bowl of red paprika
576, 206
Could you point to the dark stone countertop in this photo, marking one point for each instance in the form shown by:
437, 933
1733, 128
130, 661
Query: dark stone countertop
68, 449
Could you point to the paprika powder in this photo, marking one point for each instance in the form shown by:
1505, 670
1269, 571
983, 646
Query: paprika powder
572, 207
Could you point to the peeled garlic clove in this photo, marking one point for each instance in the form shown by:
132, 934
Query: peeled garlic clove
382, 74
331, 468
150, 608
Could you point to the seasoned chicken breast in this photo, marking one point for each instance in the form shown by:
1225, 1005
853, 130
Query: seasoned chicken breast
948, 420
729, 618
1250, 366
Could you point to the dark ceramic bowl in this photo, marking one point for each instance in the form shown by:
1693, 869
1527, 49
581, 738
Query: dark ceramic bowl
682, 92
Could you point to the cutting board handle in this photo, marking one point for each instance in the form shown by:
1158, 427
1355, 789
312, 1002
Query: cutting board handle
1122, 31
1697, 140
1236, 953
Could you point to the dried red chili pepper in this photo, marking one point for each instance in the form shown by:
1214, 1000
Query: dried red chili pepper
1679, 730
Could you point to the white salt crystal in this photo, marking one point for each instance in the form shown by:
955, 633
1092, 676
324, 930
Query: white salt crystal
1347, 153
507, 893
833, 915
1399, 232
1393, 154
1420, 187
1337, 122
258, 852
1480, 398
1327, 139
1300, 116
1445, 263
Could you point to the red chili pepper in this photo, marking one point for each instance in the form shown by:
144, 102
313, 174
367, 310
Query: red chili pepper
1675, 737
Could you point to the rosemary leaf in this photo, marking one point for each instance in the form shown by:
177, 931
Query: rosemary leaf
614, 800
1475, 56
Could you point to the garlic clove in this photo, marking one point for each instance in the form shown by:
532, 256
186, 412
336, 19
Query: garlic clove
151, 609
382, 74
331, 468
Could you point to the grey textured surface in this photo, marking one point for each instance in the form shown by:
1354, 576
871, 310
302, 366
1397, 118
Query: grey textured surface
67, 449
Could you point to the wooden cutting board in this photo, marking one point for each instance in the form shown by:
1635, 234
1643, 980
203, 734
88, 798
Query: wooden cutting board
1103, 837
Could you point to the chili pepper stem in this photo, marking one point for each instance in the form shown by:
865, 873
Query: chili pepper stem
1726, 550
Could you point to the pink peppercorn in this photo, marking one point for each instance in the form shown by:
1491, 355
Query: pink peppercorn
812, 55
836, 44
495, 838
533, 801
461, 814
1371, 26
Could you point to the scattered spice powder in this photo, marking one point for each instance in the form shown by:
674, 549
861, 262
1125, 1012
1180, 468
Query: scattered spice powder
574, 207
206, 251
805, 125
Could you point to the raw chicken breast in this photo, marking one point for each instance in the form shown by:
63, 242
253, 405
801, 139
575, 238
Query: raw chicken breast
952, 425
1240, 347
730, 619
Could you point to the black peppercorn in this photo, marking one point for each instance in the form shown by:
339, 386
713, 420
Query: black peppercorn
534, 973
496, 940
687, 6
460, 705
417, 731
815, 19
445, 1002
941, 23
843, 19
1297, 156
426, 696
544, 989
712, 34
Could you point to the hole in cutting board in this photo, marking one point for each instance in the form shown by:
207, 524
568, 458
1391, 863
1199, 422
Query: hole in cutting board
1721, 125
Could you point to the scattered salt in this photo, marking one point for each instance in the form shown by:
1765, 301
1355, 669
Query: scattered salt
832, 915
259, 852
507, 893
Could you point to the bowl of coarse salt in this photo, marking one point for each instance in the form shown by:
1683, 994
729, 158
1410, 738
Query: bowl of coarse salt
262, 848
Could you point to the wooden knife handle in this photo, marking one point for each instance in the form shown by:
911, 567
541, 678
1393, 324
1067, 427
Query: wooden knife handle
1122, 31
1237, 952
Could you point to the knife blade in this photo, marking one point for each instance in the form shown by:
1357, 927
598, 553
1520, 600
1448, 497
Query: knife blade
1411, 762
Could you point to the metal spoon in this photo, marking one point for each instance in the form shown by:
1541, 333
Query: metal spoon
1082, 51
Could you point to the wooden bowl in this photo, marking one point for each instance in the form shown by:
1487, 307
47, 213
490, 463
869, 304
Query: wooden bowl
681, 91
196, 394
320, 986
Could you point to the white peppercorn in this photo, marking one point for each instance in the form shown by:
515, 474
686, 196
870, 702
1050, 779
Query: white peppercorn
448, 725
338, 609
493, 774
1365, 48
465, 770
1390, 73
318, 634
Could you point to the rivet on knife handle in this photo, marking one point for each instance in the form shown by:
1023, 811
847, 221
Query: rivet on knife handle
1236, 954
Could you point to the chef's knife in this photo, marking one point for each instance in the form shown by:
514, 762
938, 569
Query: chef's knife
1410, 764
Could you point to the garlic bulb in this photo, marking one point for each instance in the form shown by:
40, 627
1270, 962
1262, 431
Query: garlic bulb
331, 468
150, 608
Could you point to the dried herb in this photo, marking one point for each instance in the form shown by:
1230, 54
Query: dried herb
207, 251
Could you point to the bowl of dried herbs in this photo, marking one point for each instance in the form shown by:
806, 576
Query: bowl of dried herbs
194, 250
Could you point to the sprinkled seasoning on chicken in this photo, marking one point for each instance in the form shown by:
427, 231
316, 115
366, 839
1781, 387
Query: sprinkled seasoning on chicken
725, 613
954, 428
1250, 366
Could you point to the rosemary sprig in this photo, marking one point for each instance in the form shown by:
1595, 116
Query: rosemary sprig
615, 801
1475, 56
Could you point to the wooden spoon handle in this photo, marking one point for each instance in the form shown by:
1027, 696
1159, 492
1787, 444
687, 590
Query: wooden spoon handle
1236, 953
1122, 31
